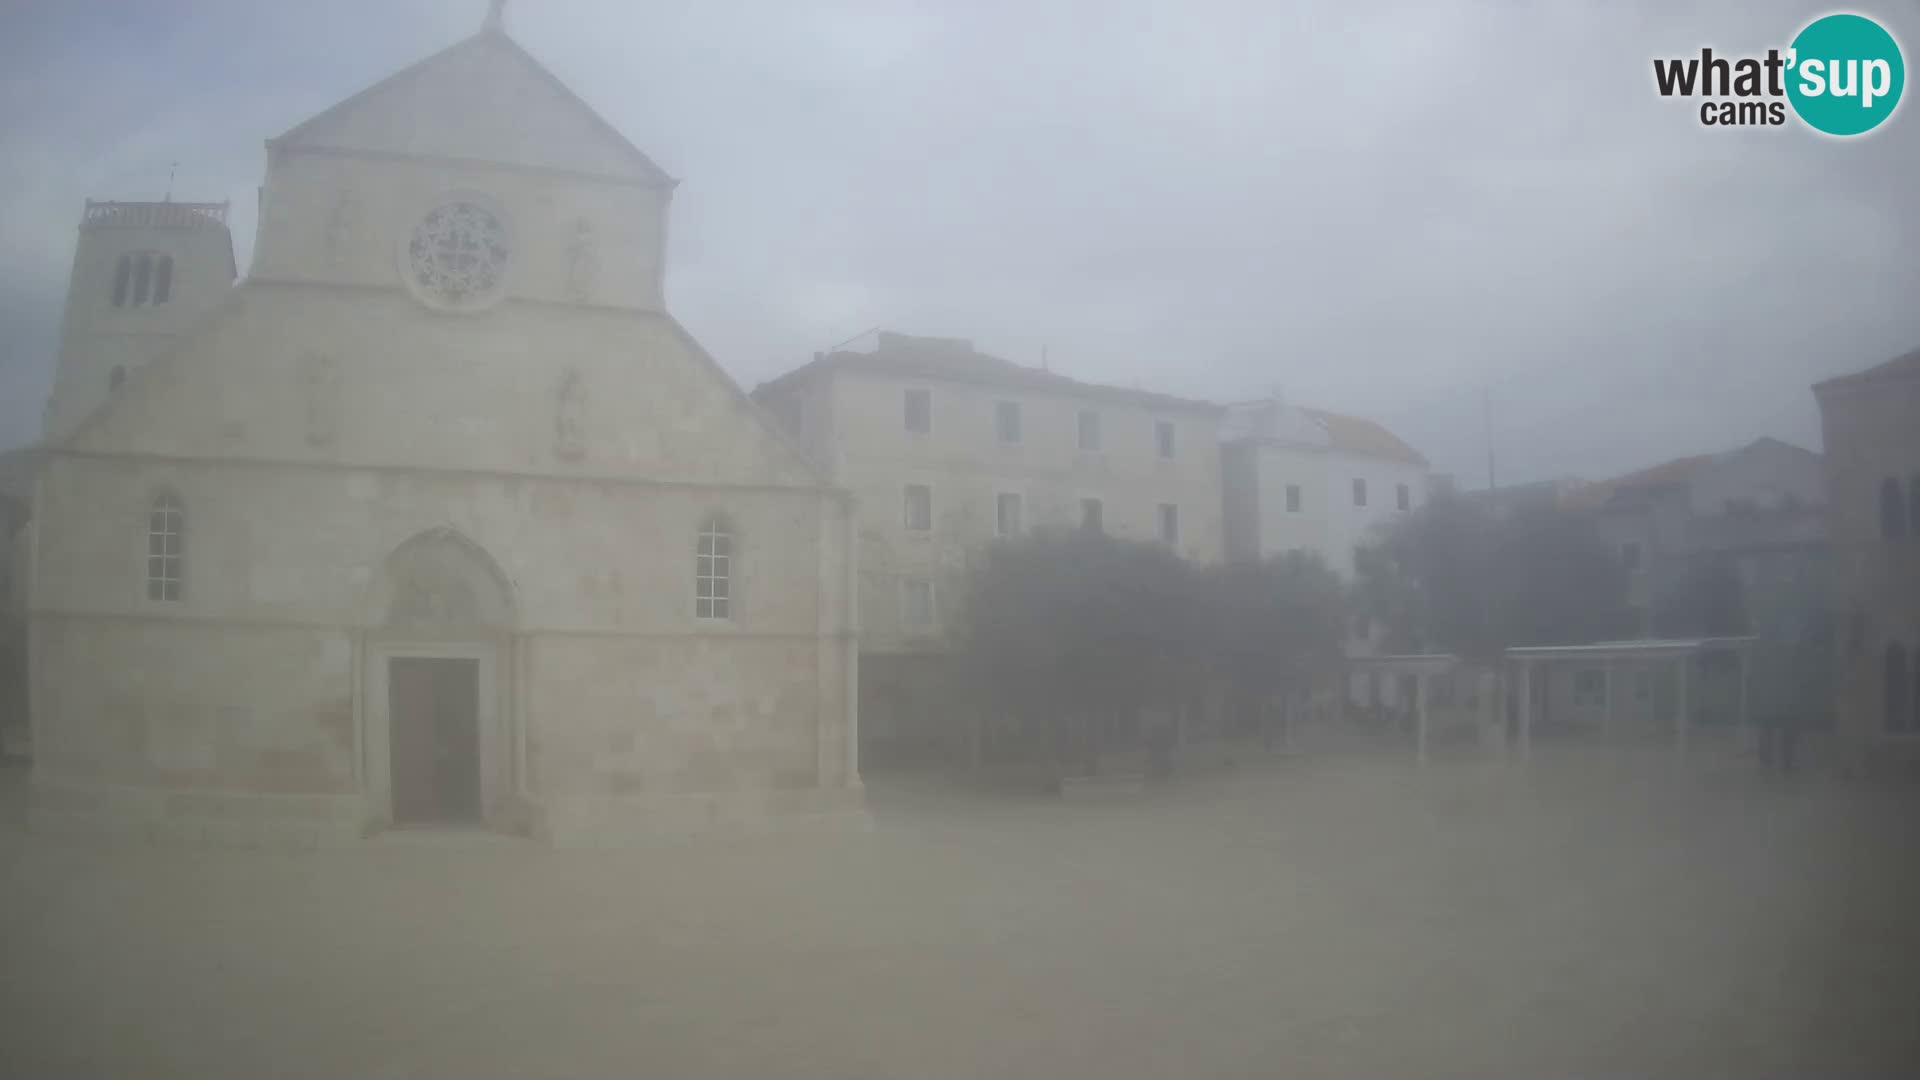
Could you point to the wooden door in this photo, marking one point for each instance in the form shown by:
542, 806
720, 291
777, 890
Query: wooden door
456, 730
434, 735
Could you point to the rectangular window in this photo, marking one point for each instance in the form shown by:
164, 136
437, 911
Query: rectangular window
1089, 430
1006, 421
919, 411
916, 601
1404, 495
1169, 524
919, 508
1359, 492
1630, 555
1006, 514
1163, 433
1092, 515
1293, 498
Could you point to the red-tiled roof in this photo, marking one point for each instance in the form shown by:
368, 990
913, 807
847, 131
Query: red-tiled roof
1665, 474
954, 360
1355, 435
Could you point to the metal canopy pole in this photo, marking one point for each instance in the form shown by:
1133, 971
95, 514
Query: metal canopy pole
1526, 709
1682, 718
1420, 705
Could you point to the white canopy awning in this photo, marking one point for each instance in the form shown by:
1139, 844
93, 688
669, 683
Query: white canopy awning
1637, 649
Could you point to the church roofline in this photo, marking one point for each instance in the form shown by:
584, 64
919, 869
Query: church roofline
653, 174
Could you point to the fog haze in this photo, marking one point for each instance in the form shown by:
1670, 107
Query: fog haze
1398, 210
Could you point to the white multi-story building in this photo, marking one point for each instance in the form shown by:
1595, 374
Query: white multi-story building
946, 448
1295, 478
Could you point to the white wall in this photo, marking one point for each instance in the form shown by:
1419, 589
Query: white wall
1328, 522
964, 463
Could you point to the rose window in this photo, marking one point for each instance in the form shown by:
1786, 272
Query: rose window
457, 256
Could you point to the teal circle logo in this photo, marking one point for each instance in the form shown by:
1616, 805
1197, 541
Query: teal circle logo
1845, 74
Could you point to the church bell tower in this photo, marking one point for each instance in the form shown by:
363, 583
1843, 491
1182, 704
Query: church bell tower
143, 272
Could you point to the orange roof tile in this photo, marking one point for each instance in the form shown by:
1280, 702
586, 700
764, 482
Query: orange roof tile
1359, 436
1665, 474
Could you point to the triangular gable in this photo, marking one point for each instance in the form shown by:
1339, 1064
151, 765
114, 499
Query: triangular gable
481, 99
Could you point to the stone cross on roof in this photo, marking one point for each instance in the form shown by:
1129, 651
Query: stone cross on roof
496, 15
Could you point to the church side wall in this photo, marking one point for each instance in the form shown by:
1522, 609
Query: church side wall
194, 731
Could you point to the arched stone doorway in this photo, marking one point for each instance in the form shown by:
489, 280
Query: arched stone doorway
441, 733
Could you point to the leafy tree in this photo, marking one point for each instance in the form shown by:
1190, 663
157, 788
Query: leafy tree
1072, 633
1271, 626
1452, 577
1426, 582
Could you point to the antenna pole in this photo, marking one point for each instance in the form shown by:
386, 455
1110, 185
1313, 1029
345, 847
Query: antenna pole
1486, 405
171, 169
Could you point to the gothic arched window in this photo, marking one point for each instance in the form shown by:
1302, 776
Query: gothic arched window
142, 278
122, 277
166, 548
163, 279
713, 570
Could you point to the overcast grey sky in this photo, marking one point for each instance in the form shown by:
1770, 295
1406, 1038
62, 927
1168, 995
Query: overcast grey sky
1386, 208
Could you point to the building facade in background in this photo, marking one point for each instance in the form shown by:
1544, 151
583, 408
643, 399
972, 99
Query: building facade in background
1871, 424
437, 517
1715, 545
1670, 523
1298, 479
947, 449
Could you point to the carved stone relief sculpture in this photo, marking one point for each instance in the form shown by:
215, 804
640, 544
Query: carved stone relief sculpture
343, 227
583, 262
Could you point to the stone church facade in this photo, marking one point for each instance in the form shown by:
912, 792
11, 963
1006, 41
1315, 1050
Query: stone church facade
435, 517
